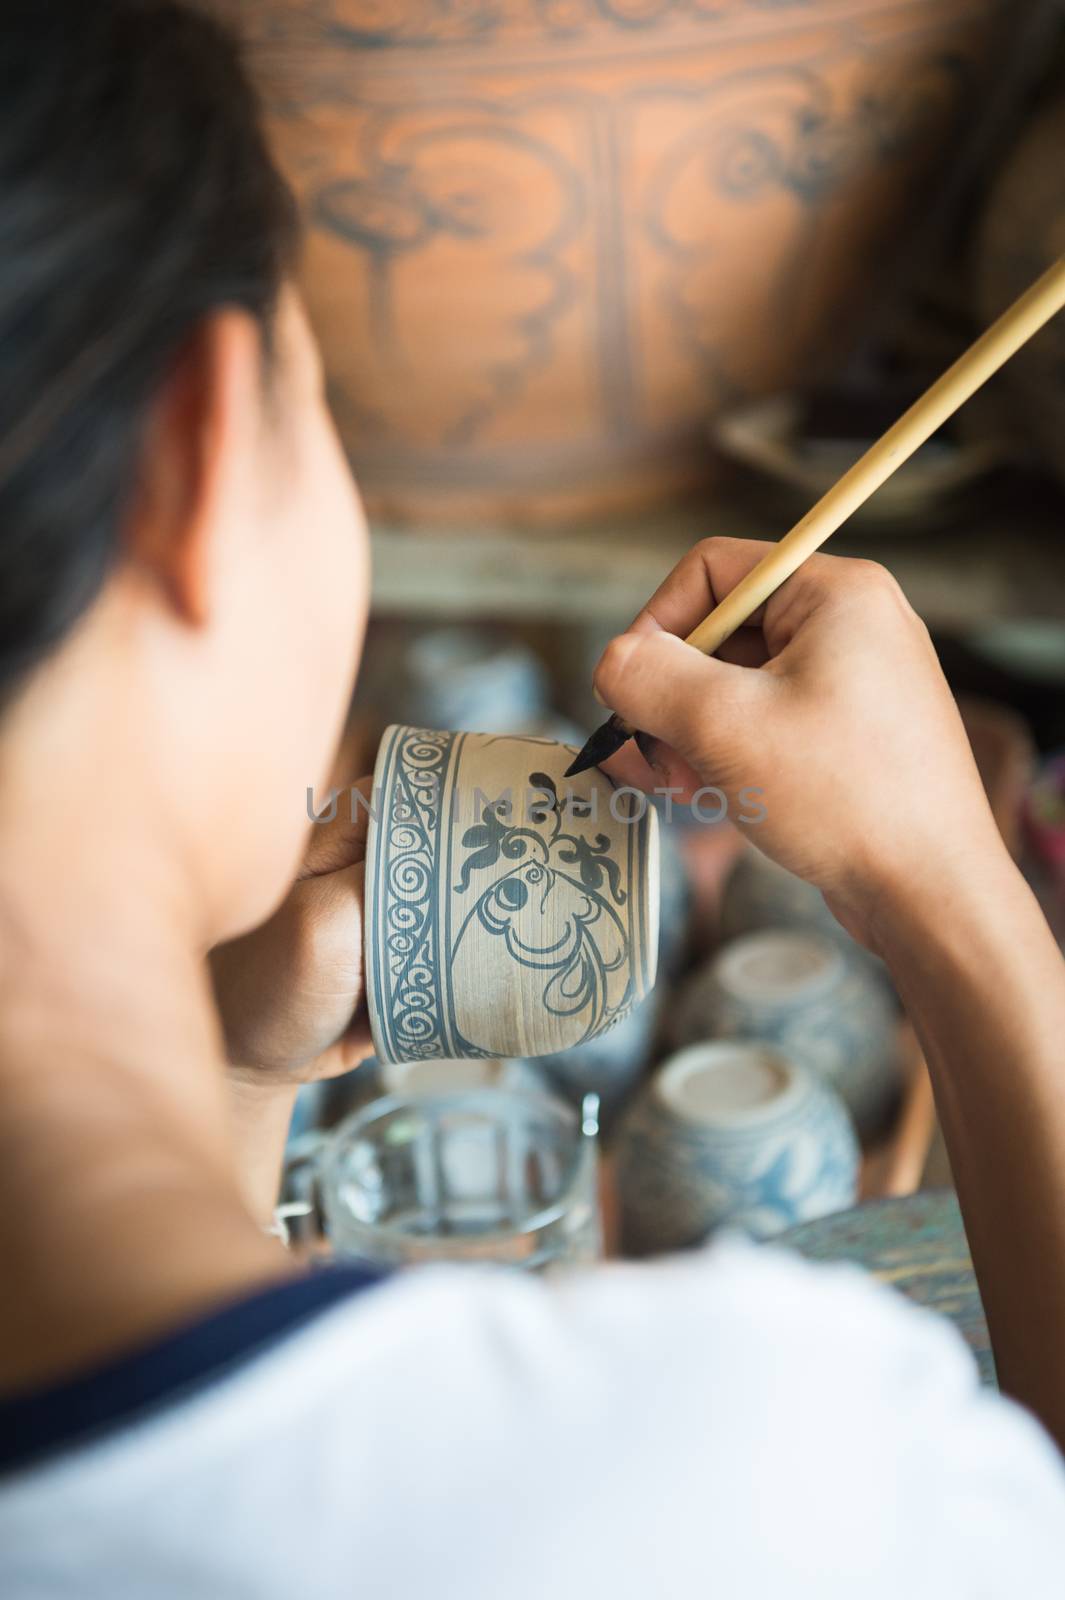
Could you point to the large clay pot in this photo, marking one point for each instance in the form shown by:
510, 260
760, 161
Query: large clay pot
550, 237
1023, 233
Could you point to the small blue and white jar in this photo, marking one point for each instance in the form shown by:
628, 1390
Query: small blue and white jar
731, 1134
805, 994
759, 895
470, 679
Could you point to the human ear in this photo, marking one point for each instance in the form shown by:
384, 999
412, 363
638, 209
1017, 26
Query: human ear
194, 459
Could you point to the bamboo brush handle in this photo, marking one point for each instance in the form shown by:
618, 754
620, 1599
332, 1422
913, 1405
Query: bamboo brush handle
991, 351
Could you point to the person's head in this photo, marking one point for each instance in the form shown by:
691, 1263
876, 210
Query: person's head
182, 555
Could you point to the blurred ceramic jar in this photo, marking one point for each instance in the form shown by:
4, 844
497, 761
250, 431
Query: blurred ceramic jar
808, 996
474, 681
548, 240
731, 1133
610, 1065
759, 894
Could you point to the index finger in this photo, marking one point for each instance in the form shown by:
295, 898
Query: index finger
713, 568
699, 581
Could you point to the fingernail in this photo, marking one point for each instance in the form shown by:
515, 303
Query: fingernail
599, 698
649, 748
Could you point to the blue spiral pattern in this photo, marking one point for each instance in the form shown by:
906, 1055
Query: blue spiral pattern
410, 994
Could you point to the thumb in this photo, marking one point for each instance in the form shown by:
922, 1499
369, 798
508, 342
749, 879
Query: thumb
338, 837
702, 708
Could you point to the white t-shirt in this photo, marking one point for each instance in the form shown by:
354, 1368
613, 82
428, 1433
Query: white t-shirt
732, 1423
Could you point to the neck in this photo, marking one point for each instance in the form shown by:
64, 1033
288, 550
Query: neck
120, 1213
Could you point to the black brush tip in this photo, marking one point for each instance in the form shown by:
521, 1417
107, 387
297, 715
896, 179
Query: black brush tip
604, 743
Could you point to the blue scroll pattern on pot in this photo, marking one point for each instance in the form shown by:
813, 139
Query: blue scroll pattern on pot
410, 931
678, 1182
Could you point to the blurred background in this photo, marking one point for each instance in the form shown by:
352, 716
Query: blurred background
597, 278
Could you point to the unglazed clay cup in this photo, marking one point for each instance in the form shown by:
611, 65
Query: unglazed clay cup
806, 994
731, 1133
510, 911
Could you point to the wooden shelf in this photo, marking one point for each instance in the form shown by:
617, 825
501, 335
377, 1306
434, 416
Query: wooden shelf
1003, 564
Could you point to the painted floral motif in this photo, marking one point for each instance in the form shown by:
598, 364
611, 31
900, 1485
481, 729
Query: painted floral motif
561, 922
495, 835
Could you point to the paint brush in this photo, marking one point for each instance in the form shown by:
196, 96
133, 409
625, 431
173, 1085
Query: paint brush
914, 428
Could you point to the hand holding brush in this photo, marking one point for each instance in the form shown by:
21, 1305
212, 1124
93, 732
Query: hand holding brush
1003, 339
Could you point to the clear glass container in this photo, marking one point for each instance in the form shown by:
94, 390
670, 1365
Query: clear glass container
489, 1175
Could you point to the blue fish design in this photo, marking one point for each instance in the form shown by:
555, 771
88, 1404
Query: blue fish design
540, 918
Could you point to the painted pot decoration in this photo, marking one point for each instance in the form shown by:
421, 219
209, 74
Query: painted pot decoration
549, 238
510, 911
736, 1134
803, 993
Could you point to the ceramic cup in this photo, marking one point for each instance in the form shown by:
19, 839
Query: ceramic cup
804, 993
731, 1133
510, 911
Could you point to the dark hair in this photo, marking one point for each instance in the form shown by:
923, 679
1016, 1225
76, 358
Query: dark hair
136, 196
